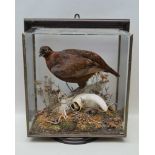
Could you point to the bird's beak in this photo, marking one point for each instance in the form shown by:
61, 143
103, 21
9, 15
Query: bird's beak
41, 54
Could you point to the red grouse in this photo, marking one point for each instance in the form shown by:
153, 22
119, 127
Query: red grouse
73, 65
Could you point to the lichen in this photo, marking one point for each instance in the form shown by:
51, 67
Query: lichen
48, 122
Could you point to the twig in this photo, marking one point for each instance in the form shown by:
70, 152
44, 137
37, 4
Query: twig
44, 102
55, 123
69, 87
106, 89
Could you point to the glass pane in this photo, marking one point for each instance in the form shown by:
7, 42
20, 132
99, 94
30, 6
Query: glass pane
29, 77
71, 88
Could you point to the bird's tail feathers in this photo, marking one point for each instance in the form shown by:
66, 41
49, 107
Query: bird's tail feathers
109, 69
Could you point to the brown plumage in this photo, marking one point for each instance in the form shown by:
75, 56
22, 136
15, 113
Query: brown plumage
73, 65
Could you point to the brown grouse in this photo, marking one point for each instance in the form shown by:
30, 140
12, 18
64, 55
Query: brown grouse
73, 65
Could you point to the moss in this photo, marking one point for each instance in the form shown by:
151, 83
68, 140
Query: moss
68, 125
87, 127
56, 128
107, 122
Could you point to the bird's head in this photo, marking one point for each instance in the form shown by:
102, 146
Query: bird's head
45, 51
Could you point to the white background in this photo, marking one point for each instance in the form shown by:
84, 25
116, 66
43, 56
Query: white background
86, 9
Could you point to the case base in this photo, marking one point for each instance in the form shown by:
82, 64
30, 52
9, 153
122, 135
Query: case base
75, 141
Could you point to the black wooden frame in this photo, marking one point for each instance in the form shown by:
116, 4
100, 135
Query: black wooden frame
122, 24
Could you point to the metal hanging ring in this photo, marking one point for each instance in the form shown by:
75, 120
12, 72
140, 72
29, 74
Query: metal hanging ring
76, 16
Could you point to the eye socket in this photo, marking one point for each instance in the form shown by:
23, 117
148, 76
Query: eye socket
75, 106
72, 106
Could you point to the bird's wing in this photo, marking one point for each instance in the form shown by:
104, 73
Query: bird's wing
87, 54
93, 57
74, 66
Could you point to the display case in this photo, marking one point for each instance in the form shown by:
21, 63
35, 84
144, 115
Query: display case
77, 77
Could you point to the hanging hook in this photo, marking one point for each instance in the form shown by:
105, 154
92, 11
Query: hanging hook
76, 16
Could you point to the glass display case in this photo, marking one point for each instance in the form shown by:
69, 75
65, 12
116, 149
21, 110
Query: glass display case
77, 77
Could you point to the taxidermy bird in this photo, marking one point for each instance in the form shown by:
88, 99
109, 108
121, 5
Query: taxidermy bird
74, 65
